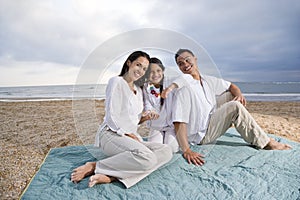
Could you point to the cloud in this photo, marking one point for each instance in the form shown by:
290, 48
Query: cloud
42, 30
262, 75
67, 31
29, 73
239, 36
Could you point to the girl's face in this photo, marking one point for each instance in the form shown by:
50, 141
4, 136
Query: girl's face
156, 74
137, 68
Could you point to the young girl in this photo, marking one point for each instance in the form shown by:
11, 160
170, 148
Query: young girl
129, 158
157, 109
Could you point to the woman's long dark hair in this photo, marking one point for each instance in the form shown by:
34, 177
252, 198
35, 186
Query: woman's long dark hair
161, 84
132, 57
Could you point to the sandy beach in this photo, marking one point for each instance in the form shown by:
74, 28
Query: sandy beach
30, 129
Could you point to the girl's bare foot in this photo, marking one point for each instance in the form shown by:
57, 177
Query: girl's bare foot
85, 170
274, 145
100, 179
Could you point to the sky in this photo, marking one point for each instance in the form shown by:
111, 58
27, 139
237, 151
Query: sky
46, 42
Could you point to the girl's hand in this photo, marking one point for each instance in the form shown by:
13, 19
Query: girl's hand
154, 115
150, 115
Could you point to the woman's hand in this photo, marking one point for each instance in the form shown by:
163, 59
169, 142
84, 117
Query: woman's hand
133, 136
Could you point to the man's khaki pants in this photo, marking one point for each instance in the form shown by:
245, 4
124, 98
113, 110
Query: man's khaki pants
230, 112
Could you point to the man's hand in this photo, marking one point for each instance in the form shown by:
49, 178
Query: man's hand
193, 157
181, 136
241, 99
165, 92
236, 92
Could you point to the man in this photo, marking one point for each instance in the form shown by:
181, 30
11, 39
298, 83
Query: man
198, 120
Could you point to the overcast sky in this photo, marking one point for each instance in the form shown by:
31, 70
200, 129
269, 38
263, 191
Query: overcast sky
46, 42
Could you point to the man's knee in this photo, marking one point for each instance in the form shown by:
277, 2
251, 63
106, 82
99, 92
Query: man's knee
224, 98
236, 106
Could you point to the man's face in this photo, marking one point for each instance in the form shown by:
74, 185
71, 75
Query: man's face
187, 63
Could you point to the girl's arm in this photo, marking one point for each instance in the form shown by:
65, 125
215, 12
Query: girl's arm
147, 104
149, 110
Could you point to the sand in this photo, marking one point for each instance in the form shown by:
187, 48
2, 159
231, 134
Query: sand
28, 130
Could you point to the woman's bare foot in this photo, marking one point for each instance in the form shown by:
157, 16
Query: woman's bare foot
274, 145
85, 170
100, 179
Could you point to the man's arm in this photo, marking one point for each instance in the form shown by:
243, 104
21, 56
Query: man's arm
236, 92
169, 89
188, 154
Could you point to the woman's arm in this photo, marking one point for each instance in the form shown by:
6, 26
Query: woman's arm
118, 113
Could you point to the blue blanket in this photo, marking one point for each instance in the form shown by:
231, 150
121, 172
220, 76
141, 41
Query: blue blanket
233, 170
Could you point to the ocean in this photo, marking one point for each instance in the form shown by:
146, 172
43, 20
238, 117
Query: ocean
253, 91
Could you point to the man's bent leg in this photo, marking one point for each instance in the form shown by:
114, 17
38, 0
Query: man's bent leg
234, 112
219, 122
223, 98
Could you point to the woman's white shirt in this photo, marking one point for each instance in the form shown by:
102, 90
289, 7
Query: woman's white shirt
123, 108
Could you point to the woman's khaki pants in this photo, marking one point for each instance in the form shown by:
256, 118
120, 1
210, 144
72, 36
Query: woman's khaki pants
129, 160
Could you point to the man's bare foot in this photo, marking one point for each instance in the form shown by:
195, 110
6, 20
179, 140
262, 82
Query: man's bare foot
100, 179
85, 170
274, 145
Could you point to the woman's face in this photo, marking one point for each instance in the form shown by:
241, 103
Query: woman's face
137, 68
156, 74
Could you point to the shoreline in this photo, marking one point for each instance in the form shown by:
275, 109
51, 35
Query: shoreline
29, 129
250, 98
35, 99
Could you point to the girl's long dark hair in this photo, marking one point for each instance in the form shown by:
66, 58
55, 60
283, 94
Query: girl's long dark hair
161, 84
132, 57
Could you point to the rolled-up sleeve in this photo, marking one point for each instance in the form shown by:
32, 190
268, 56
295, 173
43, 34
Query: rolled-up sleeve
113, 106
123, 108
183, 80
182, 106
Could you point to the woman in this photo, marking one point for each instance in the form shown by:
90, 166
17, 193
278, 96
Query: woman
129, 158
